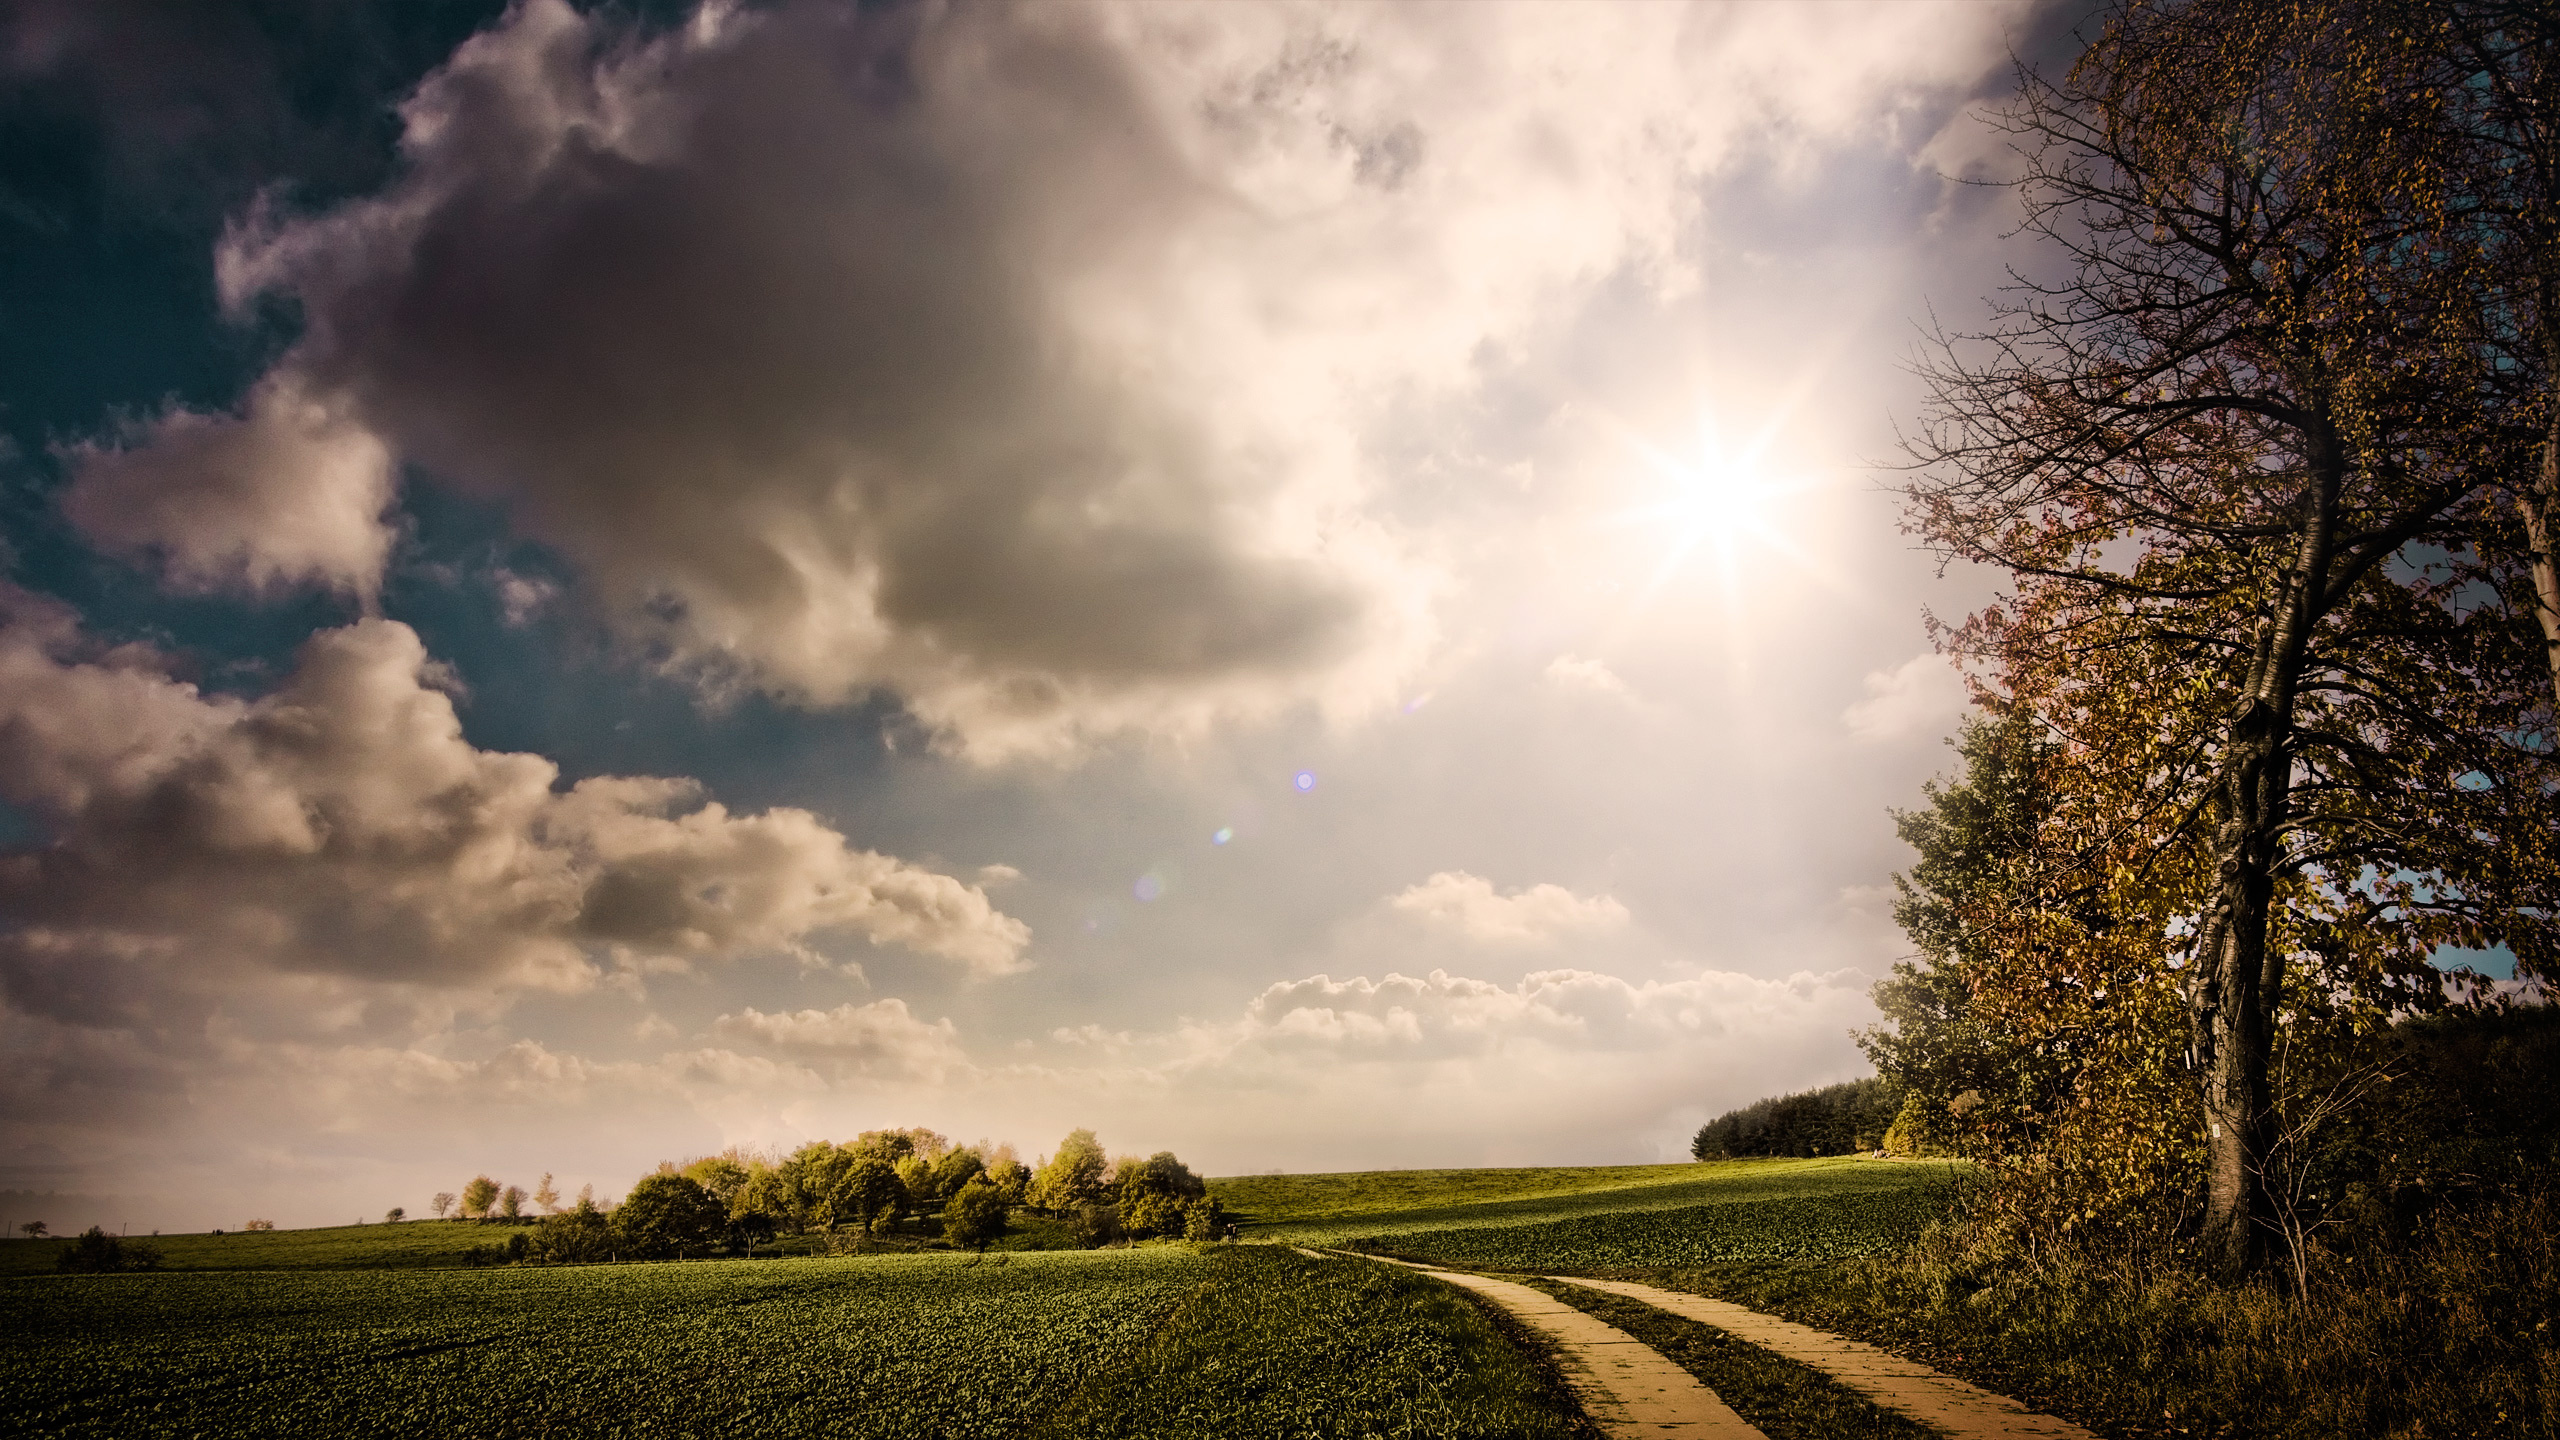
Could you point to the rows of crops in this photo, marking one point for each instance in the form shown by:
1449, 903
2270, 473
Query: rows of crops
1816, 1227
1277, 1345
879, 1346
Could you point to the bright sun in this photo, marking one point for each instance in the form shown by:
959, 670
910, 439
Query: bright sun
1716, 500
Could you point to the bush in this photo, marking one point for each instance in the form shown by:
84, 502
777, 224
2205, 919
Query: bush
1202, 1219
98, 1253
580, 1235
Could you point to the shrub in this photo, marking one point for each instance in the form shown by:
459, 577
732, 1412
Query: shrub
579, 1235
98, 1253
1202, 1219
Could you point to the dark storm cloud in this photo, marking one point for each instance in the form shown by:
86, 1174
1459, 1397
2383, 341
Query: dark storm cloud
820, 338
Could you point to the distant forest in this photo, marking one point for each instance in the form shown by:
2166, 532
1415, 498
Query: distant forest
1834, 1120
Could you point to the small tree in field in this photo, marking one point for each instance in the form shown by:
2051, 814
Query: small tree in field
478, 1196
442, 1204
35, 1229
394, 1215
547, 1195
975, 1215
511, 1202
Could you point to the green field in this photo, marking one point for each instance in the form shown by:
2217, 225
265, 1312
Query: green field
1798, 1229
1176, 1340
1340, 1209
379, 1329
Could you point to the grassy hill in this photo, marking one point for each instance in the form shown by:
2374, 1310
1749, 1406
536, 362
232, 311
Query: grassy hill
419, 1244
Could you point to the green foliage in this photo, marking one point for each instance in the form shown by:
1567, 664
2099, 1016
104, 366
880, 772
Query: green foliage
666, 1215
1973, 838
579, 1235
916, 1181
1012, 1180
1202, 1219
478, 1197
722, 1175
98, 1253
1097, 1225
1274, 1344
1918, 1129
955, 1169
879, 1348
1155, 1194
1801, 1229
867, 1192
974, 1216
1072, 1178
1834, 1120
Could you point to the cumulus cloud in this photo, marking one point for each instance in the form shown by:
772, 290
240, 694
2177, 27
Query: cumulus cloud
1015, 358
1469, 907
883, 1037
1573, 672
290, 491
342, 827
1442, 1014
1922, 696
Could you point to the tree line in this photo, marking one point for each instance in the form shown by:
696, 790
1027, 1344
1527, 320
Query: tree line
1841, 1119
882, 1183
2265, 443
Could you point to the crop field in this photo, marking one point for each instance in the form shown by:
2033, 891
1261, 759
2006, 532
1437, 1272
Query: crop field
887, 1346
1794, 1229
1171, 1340
1384, 1208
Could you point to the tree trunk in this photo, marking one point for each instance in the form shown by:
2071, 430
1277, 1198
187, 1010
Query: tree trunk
2238, 979
2232, 998
2538, 505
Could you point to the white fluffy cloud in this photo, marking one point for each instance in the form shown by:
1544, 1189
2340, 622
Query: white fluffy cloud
881, 1038
1014, 358
1468, 907
341, 827
290, 491
1922, 696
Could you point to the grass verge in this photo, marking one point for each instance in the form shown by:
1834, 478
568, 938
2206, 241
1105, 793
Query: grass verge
2450, 1332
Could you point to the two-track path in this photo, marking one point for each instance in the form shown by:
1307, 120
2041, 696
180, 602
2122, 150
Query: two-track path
1631, 1389
1626, 1386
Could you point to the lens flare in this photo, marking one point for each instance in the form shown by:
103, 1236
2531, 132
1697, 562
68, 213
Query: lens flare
1224, 834
1306, 781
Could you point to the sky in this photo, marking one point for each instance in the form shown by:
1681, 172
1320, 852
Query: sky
1315, 586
